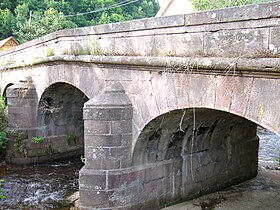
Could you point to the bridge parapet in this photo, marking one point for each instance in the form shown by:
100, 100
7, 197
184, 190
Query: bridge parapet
248, 31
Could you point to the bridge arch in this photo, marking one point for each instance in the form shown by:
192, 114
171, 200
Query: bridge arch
168, 131
60, 110
198, 150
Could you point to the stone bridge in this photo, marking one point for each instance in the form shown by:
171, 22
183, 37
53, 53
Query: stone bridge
165, 108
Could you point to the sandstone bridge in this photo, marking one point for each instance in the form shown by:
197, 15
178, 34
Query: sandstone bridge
165, 109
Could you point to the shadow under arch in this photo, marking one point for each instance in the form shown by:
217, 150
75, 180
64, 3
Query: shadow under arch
60, 110
206, 149
4, 93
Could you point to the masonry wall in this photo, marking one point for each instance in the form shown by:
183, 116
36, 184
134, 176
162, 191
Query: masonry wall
247, 31
24, 151
56, 119
173, 161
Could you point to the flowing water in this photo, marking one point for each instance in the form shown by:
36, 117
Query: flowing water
269, 150
41, 186
46, 186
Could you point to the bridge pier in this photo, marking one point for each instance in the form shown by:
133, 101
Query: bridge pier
22, 104
108, 142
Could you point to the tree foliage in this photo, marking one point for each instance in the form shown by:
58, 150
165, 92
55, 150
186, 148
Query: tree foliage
202, 5
29, 19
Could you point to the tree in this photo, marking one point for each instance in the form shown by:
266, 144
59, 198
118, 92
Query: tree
6, 23
39, 24
29, 19
202, 5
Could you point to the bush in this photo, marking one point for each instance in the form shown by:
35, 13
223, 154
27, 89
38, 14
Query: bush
3, 140
3, 126
2, 196
3, 114
202, 5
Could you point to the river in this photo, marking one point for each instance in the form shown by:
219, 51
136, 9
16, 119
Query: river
41, 186
46, 186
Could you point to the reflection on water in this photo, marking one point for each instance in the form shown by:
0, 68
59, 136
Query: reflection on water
45, 186
42, 186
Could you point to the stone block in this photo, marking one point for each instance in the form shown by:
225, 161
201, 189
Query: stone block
181, 88
120, 152
122, 127
21, 120
108, 114
92, 179
102, 164
234, 14
95, 198
147, 107
136, 25
37, 152
26, 102
241, 90
103, 140
99, 153
261, 106
126, 140
97, 127
235, 43
128, 193
160, 95
119, 178
21, 110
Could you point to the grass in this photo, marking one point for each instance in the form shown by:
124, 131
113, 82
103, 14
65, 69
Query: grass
37, 140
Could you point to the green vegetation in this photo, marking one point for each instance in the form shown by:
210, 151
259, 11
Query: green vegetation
37, 140
3, 125
202, 5
2, 195
71, 137
50, 52
83, 160
3, 140
3, 114
18, 140
29, 19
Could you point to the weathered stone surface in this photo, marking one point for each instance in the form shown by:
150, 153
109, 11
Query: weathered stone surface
92, 179
105, 114
115, 124
263, 99
101, 199
235, 43
24, 98
274, 43
51, 148
234, 14
97, 127
210, 160
112, 96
